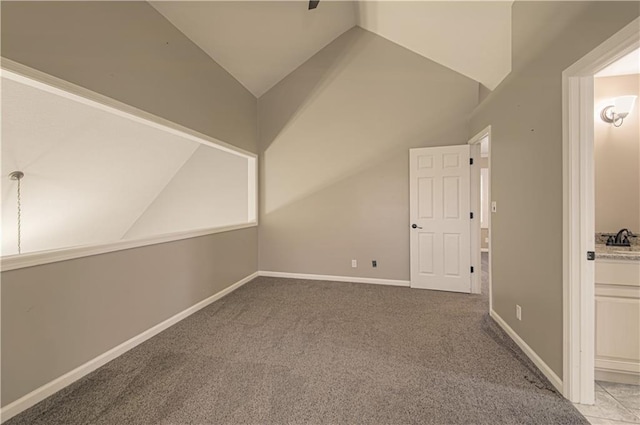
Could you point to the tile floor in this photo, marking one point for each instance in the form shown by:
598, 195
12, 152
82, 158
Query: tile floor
615, 404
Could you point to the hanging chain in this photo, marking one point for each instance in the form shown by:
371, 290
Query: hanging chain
19, 219
18, 175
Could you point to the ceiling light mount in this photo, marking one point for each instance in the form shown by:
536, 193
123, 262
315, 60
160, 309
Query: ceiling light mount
16, 175
616, 113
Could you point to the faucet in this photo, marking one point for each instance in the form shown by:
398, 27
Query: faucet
621, 238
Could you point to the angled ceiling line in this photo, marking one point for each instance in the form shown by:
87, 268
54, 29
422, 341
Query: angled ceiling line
261, 42
159, 192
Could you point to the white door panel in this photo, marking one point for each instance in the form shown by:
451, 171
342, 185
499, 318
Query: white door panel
439, 209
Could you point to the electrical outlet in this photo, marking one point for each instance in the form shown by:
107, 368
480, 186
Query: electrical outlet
374, 263
518, 312
354, 263
494, 206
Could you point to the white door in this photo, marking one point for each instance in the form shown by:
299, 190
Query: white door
440, 218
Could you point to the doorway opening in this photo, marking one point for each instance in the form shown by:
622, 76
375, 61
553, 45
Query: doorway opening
579, 230
481, 202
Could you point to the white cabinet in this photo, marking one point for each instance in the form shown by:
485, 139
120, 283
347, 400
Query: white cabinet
617, 307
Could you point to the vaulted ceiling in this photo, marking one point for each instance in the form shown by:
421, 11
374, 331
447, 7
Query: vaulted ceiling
261, 42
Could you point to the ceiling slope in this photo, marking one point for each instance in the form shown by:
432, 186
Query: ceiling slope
472, 38
539, 23
259, 42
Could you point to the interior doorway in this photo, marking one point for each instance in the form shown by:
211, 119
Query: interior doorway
481, 204
617, 250
579, 211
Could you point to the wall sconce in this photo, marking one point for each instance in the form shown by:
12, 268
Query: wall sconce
616, 113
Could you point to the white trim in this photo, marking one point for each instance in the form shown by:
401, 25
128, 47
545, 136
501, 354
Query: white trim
476, 288
475, 206
19, 261
618, 365
68, 378
628, 378
32, 77
578, 211
371, 280
252, 190
533, 356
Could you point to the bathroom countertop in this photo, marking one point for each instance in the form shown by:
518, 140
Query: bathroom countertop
604, 252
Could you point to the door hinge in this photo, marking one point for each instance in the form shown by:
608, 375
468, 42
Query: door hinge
471, 269
471, 215
470, 161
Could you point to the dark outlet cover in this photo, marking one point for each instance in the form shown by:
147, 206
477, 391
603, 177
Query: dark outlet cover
374, 263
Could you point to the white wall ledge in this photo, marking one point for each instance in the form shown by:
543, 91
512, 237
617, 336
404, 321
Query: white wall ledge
38, 79
20, 261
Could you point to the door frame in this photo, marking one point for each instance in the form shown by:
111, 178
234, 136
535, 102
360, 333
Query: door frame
476, 280
578, 235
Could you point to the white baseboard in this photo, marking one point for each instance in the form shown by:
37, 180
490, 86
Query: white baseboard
621, 371
68, 378
617, 376
336, 278
626, 366
544, 368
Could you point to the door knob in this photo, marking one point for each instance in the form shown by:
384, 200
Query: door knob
415, 226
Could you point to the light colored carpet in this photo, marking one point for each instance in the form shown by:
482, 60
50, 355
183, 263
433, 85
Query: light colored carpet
293, 351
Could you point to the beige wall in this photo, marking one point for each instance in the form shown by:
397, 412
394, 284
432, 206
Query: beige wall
130, 52
617, 159
55, 317
334, 141
525, 114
